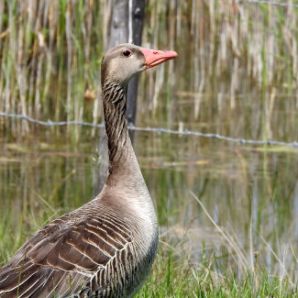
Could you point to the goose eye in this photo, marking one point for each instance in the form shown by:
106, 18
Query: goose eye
126, 53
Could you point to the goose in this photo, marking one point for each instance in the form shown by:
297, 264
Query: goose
106, 247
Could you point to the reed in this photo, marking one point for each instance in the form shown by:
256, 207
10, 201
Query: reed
50, 55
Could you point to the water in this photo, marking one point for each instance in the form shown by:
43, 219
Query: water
250, 193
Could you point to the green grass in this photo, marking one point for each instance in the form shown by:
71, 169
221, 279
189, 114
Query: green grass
172, 275
175, 277
172, 278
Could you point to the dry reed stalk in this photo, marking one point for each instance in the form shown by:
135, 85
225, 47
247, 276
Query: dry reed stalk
232, 244
33, 42
50, 52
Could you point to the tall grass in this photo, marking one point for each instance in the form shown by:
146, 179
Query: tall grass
50, 55
176, 272
173, 278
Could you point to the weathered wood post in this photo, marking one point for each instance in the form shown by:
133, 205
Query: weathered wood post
137, 12
125, 24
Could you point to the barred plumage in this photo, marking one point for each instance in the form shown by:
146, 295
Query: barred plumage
106, 247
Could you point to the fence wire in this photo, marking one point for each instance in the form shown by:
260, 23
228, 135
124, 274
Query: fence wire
157, 130
269, 2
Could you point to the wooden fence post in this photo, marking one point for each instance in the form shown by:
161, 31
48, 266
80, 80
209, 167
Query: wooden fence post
125, 24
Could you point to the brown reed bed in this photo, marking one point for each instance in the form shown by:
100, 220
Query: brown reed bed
50, 54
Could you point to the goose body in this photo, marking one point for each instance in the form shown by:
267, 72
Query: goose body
106, 247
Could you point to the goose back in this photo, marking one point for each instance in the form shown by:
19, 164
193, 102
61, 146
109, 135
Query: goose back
95, 251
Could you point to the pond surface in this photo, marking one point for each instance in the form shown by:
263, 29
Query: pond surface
235, 203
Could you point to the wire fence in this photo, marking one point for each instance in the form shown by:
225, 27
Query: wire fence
269, 2
157, 130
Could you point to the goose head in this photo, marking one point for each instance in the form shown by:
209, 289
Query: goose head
123, 61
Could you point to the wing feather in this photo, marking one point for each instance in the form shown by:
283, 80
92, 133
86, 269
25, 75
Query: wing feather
65, 256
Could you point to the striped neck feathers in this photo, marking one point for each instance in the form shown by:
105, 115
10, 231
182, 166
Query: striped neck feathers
114, 104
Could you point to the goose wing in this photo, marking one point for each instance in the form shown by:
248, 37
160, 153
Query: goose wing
64, 257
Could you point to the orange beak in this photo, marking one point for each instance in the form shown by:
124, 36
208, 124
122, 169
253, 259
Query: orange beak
155, 57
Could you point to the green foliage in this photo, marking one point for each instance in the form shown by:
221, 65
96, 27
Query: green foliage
50, 57
173, 278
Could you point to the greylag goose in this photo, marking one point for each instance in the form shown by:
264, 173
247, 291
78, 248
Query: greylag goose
106, 247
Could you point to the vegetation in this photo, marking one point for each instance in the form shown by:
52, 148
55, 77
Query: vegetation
171, 279
173, 275
51, 51
237, 74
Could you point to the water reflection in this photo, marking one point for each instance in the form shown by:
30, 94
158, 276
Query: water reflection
244, 213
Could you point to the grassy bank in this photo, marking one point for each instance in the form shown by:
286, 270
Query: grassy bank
174, 275
171, 279
220, 269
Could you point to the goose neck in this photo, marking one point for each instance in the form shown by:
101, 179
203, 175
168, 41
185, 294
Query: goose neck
114, 104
